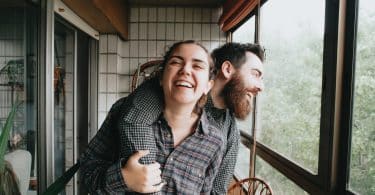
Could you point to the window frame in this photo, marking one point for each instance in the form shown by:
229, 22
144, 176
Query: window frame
336, 116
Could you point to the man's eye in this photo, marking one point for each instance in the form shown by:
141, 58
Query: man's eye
255, 73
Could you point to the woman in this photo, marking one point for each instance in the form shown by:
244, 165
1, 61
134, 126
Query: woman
188, 149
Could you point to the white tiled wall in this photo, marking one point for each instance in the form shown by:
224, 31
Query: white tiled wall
151, 31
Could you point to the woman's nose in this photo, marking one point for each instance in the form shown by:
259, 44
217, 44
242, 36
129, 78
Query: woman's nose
185, 69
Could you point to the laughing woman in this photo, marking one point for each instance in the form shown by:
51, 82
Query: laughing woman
188, 148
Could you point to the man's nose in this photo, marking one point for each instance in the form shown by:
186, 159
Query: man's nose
260, 85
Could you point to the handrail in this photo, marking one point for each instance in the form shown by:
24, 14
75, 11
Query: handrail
57, 186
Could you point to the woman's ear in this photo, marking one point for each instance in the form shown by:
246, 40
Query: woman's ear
227, 69
210, 84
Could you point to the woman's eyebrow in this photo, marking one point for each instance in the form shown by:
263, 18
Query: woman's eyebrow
179, 57
194, 59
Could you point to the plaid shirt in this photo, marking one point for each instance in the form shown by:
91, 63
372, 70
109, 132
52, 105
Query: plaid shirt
129, 122
189, 168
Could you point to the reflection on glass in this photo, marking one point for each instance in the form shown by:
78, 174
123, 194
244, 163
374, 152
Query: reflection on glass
278, 182
245, 33
63, 98
243, 163
292, 34
362, 163
18, 83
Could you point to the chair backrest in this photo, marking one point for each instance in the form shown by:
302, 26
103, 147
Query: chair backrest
250, 186
144, 72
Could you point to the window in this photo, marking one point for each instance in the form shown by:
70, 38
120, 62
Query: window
243, 161
245, 33
362, 163
292, 34
278, 182
317, 110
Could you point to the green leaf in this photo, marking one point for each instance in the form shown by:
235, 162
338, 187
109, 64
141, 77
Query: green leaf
60, 183
5, 134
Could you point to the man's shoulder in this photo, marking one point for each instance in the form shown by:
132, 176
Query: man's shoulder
222, 117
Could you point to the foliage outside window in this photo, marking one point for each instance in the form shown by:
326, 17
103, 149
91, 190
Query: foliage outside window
291, 102
280, 184
243, 163
362, 164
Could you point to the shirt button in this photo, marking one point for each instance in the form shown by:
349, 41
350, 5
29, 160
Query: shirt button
168, 135
171, 158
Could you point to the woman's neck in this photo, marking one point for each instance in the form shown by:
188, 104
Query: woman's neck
179, 116
182, 122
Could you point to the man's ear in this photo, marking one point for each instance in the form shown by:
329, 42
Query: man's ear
227, 69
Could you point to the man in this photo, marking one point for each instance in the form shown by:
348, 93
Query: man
238, 79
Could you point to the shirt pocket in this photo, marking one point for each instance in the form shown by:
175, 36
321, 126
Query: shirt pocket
194, 177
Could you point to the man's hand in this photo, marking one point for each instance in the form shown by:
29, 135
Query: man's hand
142, 178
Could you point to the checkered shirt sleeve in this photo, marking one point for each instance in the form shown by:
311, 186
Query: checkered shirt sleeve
228, 163
100, 166
225, 121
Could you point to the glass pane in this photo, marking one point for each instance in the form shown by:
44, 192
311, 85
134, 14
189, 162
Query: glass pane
280, 184
63, 108
362, 164
243, 163
292, 34
245, 33
18, 83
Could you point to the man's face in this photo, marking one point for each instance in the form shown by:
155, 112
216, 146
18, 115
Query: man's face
244, 85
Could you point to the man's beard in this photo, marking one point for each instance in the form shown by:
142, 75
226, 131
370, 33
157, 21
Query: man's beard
235, 97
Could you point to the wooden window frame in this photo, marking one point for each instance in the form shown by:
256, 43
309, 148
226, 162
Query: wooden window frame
336, 116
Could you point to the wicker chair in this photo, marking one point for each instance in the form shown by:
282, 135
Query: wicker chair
250, 186
144, 72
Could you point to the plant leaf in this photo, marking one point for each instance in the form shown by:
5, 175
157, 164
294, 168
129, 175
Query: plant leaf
60, 183
5, 134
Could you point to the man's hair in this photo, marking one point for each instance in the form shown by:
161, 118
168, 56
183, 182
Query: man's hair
235, 53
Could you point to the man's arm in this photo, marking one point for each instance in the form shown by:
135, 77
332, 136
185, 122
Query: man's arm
228, 163
100, 163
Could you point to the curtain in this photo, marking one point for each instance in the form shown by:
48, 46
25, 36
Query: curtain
234, 11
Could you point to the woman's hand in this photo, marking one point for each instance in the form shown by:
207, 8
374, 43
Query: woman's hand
142, 178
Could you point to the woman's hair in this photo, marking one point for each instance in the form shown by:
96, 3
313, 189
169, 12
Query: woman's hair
203, 99
176, 45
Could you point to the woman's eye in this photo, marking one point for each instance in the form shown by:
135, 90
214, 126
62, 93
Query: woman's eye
198, 66
174, 62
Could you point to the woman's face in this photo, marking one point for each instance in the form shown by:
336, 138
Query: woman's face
186, 75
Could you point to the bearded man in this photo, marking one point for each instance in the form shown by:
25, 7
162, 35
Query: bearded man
239, 78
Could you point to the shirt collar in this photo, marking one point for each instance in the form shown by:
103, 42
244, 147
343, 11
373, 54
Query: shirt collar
203, 123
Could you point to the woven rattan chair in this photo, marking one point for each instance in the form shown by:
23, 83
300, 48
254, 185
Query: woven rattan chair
144, 72
250, 186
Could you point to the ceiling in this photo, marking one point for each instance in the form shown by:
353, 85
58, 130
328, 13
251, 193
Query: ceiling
205, 3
